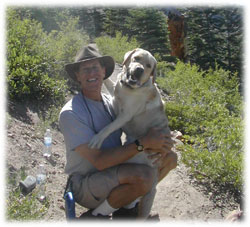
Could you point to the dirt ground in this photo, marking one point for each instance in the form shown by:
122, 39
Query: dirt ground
179, 197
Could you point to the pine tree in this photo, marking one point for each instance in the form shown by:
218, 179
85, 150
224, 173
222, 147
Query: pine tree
215, 36
201, 37
90, 19
233, 38
149, 27
115, 20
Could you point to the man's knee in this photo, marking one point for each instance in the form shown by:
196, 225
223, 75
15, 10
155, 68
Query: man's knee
141, 177
144, 178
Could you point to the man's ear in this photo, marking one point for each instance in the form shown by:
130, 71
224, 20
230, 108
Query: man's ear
127, 57
77, 76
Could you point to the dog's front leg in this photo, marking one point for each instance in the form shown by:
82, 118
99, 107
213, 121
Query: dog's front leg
98, 139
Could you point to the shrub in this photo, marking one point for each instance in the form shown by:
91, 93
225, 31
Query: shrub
207, 108
117, 46
29, 63
63, 44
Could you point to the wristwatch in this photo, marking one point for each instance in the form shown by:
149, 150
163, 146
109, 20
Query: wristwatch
140, 147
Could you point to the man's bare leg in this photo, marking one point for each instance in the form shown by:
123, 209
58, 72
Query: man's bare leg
135, 181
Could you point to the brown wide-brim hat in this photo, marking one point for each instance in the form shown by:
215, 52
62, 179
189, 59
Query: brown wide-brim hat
89, 53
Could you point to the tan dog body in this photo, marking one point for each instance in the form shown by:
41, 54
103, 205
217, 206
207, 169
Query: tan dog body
138, 107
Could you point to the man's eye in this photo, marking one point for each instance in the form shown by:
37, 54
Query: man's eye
86, 70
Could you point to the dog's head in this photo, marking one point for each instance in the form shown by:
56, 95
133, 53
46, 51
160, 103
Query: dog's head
138, 66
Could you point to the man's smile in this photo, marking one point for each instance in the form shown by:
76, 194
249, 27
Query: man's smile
92, 80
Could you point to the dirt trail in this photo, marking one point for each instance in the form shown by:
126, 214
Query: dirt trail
178, 196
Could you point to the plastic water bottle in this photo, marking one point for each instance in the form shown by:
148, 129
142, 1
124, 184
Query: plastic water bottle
40, 182
70, 205
47, 143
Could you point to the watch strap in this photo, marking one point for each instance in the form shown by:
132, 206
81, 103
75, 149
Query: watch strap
140, 147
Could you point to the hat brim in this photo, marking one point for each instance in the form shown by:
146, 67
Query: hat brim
108, 62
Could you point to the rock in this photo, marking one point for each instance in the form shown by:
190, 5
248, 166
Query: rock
177, 134
28, 184
11, 135
33, 117
57, 155
235, 215
28, 145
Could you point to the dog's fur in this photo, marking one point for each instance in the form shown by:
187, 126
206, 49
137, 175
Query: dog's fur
138, 107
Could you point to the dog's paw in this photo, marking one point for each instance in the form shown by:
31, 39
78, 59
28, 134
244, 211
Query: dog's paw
95, 142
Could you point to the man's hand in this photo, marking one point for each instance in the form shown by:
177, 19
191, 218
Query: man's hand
157, 155
157, 140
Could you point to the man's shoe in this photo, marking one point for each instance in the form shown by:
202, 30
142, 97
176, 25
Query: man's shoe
123, 213
89, 216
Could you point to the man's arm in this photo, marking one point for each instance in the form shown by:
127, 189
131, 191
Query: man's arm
108, 157
154, 140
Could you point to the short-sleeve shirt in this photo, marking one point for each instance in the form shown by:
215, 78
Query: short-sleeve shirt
80, 119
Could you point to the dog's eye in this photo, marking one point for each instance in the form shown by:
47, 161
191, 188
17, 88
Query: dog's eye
137, 58
148, 65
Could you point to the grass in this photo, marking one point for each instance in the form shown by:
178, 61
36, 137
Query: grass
20, 207
25, 208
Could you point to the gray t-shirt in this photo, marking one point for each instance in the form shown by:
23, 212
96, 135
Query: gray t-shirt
79, 123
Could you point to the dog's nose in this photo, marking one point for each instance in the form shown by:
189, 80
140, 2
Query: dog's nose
138, 72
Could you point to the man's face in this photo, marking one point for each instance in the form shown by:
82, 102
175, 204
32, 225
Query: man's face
91, 75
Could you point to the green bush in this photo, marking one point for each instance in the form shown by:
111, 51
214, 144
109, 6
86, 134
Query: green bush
29, 63
63, 44
117, 46
36, 60
207, 108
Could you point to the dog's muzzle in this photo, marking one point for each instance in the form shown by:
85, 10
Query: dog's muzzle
135, 75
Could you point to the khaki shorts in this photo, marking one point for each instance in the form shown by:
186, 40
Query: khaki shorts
91, 190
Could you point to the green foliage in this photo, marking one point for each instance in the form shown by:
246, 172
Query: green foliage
91, 19
25, 208
48, 119
19, 206
29, 63
163, 67
63, 44
36, 59
115, 20
117, 46
149, 27
215, 35
207, 108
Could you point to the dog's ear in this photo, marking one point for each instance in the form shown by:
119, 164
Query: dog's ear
153, 73
127, 56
